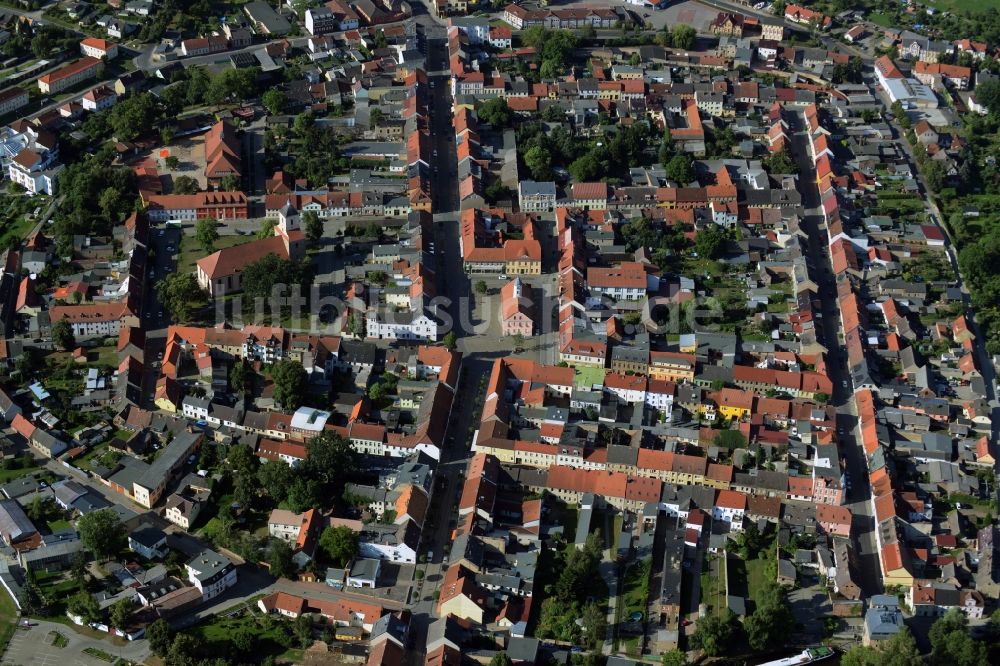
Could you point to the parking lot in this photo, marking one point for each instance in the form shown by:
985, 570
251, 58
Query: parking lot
33, 647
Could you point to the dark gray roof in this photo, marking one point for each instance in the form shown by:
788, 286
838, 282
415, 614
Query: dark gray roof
14, 523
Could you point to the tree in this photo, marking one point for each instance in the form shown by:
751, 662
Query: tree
780, 162
495, 112
518, 340
501, 658
290, 384
303, 630
684, 36
935, 175
680, 169
586, 168
206, 233
730, 439
951, 643
241, 376
715, 634
313, 226
767, 626
595, 625
78, 569
674, 658
340, 544
102, 532
710, 242
183, 651
261, 277
120, 612
172, 162
539, 162
230, 183
160, 635
186, 185
134, 116
481, 287
279, 559
450, 341
62, 334
180, 293
329, 460
276, 478
273, 100
988, 94
900, 650
778, 8
84, 606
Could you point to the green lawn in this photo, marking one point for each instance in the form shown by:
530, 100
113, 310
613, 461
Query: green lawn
11, 474
56, 525
713, 587
635, 590
8, 619
971, 6
880, 19
190, 251
19, 229
757, 576
587, 377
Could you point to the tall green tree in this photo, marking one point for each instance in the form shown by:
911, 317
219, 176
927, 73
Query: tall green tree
273, 100
710, 243
680, 169
340, 544
160, 636
102, 533
279, 559
313, 226
900, 650
62, 334
684, 36
767, 627
951, 643
83, 605
206, 233
120, 613
717, 634
290, 384
180, 294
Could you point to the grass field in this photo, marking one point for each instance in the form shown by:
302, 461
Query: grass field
971, 6
587, 377
8, 619
190, 251
757, 574
713, 587
880, 19
635, 590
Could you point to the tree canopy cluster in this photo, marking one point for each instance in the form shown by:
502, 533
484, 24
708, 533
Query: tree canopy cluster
555, 49
566, 600
262, 276
96, 197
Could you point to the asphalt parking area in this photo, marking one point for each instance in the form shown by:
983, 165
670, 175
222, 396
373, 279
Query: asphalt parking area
31, 647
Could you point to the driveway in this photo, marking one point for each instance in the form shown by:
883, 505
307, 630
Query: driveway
33, 647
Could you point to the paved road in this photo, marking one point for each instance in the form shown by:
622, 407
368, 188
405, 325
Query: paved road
843, 397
